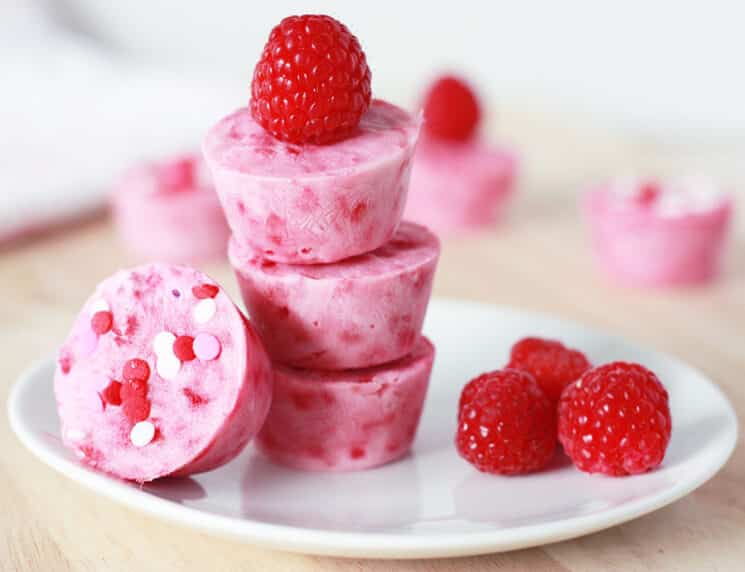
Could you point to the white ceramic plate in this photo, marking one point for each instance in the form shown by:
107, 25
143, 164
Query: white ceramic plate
432, 503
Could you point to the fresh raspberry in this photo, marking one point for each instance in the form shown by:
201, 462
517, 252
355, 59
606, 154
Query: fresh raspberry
553, 365
101, 322
451, 110
202, 291
506, 424
312, 82
615, 420
183, 348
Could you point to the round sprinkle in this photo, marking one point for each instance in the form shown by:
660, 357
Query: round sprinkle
183, 348
204, 310
99, 305
75, 435
206, 347
88, 341
101, 322
136, 370
167, 366
203, 291
113, 393
142, 433
163, 343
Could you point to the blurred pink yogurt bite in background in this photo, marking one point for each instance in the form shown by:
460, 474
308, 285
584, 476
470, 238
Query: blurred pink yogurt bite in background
647, 233
458, 182
168, 211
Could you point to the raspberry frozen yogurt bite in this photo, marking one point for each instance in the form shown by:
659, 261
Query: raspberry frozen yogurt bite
460, 186
646, 233
313, 170
169, 211
161, 376
359, 312
308, 203
347, 420
458, 182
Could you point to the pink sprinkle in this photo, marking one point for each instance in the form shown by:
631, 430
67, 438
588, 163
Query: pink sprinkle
88, 341
206, 347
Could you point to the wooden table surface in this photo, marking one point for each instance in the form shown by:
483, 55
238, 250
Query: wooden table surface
538, 260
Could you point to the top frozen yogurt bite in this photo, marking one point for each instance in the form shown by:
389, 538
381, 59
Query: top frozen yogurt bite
323, 196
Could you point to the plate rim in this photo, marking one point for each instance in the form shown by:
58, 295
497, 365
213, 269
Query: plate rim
370, 544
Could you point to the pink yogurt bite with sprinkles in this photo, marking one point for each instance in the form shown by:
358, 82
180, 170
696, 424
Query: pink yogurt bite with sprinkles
160, 376
305, 203
347, 420
168, 210
650, 233
360, 312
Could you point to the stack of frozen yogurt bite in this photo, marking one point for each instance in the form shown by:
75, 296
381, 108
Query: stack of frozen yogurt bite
313, 177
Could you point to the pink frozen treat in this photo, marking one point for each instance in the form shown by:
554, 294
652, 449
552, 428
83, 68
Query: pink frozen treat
161, 375
347, 420
359, 312
650, 234
169, 211
459, 186
305, 204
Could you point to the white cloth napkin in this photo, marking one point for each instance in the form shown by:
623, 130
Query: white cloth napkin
73, 115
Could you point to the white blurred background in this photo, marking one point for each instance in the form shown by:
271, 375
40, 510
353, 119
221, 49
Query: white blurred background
90, 85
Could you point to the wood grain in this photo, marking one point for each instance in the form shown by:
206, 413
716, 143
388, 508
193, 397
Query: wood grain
537, 260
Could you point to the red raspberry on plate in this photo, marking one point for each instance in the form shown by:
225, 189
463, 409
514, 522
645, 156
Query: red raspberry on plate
615, 420
506, 424
553, 365
451, 110
312, 82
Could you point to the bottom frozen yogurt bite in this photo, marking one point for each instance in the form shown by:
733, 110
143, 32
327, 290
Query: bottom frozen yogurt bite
169, 211
646, 233
347, 420
161, 375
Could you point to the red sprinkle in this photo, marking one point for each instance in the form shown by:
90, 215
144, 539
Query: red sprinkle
136, 409
133, 389
112, 394
183, 347
203, 291
101, 322
136, 370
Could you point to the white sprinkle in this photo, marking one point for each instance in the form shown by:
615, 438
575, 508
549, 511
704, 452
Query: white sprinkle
163, 343
99, 305
142, 433
75, 435
204, 310
167, 366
